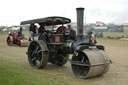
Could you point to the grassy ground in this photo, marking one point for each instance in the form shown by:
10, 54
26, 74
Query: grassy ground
125, 33
3, 33
10, 74
15, 69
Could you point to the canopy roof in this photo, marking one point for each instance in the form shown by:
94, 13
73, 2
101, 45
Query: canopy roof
55, 20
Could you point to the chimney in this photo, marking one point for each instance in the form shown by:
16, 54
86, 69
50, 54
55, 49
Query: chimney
80, 17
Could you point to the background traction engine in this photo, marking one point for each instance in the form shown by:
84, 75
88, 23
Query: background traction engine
17, 38
88, 60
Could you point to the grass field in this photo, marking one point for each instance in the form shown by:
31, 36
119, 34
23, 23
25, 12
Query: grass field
125, 33
15, 69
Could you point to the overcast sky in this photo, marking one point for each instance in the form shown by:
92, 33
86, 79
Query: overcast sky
12, 12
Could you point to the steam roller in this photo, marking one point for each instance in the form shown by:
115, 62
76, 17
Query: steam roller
17, 38
88, 60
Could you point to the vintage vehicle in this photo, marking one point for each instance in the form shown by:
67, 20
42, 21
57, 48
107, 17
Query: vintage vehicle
54, 46
17, 38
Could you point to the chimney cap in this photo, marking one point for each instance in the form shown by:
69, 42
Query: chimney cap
80, 8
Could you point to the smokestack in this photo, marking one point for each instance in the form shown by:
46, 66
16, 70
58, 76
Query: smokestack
80, 19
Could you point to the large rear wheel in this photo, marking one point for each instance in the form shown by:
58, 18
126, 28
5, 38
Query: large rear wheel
38, 54
60, 60
9, 41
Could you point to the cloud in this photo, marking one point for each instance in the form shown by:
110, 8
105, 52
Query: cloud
14, 11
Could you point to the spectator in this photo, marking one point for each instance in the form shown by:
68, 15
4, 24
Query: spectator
33, 32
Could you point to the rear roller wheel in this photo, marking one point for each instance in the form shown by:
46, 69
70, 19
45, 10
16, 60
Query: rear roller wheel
60, 60
38, 54
9, 41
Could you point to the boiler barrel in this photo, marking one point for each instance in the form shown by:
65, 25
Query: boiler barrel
90, 63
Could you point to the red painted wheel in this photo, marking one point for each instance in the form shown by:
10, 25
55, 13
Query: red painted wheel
9, 41
19, 43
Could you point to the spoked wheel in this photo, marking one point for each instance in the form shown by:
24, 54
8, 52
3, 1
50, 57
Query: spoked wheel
9, 41
38, 54
60, 60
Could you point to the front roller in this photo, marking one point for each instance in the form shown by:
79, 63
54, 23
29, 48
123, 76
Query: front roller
22, 43
90, 63
38, 54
